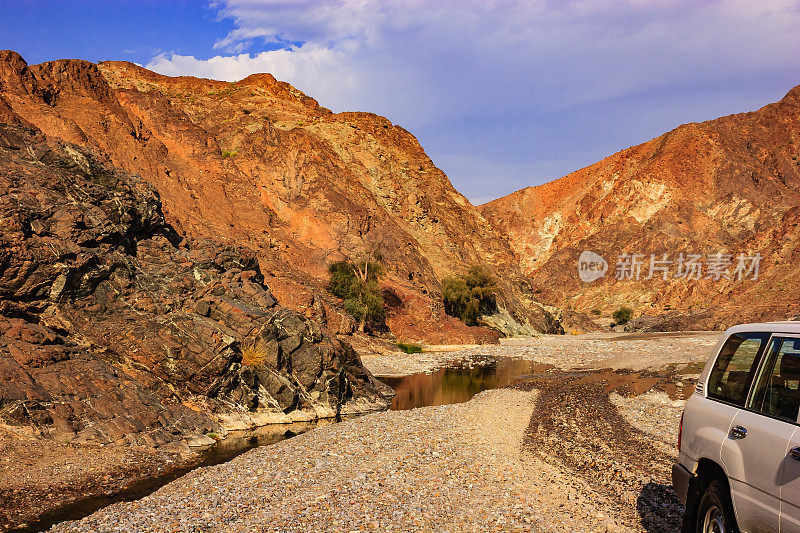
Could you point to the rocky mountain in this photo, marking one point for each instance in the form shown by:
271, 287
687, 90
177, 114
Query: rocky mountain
115, 329
715, 189
260, 164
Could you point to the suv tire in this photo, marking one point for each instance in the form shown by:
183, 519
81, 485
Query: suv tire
715, 510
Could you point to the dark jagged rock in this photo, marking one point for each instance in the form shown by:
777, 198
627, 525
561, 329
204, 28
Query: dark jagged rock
115, 329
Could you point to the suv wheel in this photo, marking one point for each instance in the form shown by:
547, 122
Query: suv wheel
715, 511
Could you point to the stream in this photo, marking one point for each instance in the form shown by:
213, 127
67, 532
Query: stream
460, 381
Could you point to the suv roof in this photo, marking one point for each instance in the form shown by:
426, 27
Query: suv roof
784, 326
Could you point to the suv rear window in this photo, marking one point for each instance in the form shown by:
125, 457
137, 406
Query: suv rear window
734, 368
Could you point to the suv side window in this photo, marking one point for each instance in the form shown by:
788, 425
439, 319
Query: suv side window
735, 366
777, 390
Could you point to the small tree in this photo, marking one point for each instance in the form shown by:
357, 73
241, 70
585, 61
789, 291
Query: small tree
622, 315
357, 285
470, 295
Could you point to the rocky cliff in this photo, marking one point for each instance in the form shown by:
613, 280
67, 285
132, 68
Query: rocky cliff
115, 329
729, 186
260, 164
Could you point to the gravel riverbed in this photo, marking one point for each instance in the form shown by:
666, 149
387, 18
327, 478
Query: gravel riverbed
653, 413
632, 351
446, 468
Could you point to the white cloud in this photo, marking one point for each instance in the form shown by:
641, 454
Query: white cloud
428, 63
456, 54
312, 68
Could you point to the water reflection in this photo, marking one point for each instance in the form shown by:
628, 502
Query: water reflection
237, 442
459, 382
627, 383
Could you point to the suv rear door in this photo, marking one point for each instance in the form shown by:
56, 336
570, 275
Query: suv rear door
708, 415
754, 453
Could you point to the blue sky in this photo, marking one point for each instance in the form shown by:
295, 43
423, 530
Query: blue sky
115, 29
502, 94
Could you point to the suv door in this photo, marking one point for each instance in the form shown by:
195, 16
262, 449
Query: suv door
708, 416
754, 453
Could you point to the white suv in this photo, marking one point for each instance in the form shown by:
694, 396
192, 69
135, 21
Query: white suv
739, 443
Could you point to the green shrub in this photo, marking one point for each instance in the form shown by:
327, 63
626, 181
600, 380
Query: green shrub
622, 315
409, 347
229, 153
597, 312
357, 285
470, 295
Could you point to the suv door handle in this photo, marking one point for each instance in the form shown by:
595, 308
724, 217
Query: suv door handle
739, 432
795, 453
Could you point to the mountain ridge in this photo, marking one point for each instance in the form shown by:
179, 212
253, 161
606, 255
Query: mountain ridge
259, 163
719, 185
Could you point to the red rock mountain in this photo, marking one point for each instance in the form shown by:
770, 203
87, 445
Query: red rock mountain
728, 185
260, 164
114, 329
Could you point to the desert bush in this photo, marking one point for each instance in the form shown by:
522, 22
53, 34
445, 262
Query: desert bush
357, 285
622, 315
597, 312
409, 347
229, 153
470, 295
